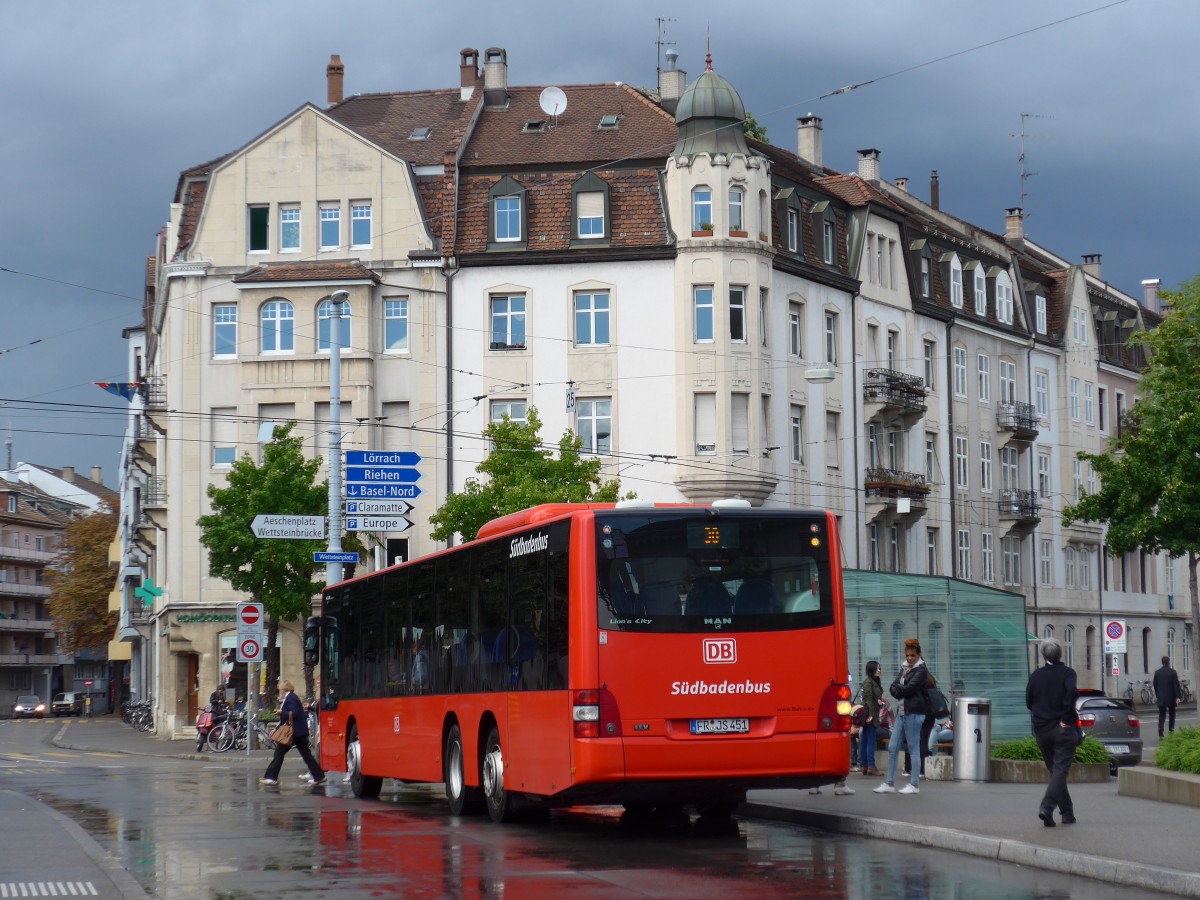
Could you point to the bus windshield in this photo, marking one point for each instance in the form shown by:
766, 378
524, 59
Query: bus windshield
701, 572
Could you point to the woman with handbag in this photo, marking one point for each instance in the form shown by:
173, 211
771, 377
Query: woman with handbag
293, 717
909, 688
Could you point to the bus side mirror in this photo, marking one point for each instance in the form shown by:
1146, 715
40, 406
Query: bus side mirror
312, 642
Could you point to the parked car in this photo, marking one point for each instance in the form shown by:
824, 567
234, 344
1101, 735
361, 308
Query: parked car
29, 706
1112, 722
68, 704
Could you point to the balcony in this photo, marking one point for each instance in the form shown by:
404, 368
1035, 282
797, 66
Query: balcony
34, 659
26, 555
40, 626
894, 393
17, 589
1019, 506
154, 394
890, 490
146, 448
1020, 420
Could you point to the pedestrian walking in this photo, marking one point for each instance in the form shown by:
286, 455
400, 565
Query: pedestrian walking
291, 712
1168, 692
1050, 696
908, 688
872, 694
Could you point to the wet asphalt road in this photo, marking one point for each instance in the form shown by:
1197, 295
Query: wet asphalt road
207, 829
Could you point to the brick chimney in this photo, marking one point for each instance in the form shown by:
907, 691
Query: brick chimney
808, 139
495, 77
334, 73
1014, 227
1150, 299
468, 72
868, 165
1091, 264
671, 81
902, 184
935, 193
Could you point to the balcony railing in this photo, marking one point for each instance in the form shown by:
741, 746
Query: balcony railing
154, 391
888, 485
1019, 418
42, 556
1019, 504
895, 389
155, 493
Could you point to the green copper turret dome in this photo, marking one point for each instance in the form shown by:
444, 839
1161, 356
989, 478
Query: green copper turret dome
709, 117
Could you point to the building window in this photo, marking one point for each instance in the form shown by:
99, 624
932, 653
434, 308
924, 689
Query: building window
360, 224
890, 349
832, 439
737, 199
988, 574
1041, 393
1085, 568
894, 548
793, 230
873, 545
591, 319
224, 330
797, 434
1079, 327
1069, 566
1004, 299
508, 218
831, 338
395, 324
985, 378
737, 315
1101, 408
702, 305
589, 206
930, 457
331, 226
1010, 546
515, 410
960, 371
930, 364
224, 436
964, 553
985, 466
1044, 485
961, 462
1074, 395
508, 322
259, 229
278, 327
593, 425
324, 314
980, 291
1039, 307
1009, 477
795, 336
830, 232
1008, 382
702, 209
1089, 404
1077, 475
956, 283
926, 275
705, 406
931, 551
1047, 561
763, 303
289, 228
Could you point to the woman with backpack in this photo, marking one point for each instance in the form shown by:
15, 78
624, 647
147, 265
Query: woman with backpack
872, 694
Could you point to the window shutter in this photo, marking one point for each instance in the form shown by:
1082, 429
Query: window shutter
706, 423
740, 412
591, 204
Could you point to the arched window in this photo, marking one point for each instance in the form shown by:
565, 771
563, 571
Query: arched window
277, 325
1171, 645
324, 314
1048, 633
1089, 643
1069, 645
1146, 651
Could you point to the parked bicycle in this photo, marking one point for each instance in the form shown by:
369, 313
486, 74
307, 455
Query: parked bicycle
233, 733
138, 714
1148, 693
1186, 690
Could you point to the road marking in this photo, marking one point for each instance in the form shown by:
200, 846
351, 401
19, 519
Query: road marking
48, 889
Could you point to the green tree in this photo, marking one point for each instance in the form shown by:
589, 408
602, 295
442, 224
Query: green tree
275, 572
80, 580
1150, 474
520, 473
752, 129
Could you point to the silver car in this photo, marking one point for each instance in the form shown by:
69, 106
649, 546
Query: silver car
1112, 722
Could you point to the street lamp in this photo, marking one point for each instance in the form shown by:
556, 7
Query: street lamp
333, 570
819, 374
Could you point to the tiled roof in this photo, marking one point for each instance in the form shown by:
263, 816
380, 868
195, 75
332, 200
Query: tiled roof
856, 191
306, 271
389, 119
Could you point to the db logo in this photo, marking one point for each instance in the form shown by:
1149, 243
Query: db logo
720, 650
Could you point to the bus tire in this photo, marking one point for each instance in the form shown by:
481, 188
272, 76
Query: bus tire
463, 800
499, 803
719, 810
365, 787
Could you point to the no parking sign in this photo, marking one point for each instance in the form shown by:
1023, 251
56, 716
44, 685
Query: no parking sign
1114, 636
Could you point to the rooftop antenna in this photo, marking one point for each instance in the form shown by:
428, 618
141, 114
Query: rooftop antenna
553, 101
661, 41
1025, 174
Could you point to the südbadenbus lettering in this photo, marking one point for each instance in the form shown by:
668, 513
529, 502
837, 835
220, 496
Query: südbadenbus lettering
720, 687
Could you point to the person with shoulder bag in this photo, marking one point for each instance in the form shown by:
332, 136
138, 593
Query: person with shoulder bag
292, 715
872, 696
909, 688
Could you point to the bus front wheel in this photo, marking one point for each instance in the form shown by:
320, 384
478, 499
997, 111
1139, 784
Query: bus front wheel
499, 803
366, 787
462, 799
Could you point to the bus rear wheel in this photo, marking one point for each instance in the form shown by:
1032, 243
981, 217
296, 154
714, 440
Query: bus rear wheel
499, 803
366, 787
462, 799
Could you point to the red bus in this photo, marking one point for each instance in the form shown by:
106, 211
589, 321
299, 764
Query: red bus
636, 654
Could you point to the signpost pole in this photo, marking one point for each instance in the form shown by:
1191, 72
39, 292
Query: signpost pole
333, 570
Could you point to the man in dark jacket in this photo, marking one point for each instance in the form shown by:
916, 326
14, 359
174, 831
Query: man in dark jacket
1168, 692
1050, 696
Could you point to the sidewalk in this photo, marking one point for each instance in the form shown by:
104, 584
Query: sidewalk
1121, 840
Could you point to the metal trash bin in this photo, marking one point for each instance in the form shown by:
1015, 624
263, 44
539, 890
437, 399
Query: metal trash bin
972, 739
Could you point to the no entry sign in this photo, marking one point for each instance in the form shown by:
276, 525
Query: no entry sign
250, 615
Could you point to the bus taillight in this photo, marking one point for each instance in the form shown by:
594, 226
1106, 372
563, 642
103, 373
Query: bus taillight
596, 715
834, 712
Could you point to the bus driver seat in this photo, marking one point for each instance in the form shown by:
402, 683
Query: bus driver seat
708, 597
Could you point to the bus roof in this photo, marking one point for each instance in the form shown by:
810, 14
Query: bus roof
547, 511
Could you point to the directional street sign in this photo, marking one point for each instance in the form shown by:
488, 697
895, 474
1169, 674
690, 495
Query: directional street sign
328, 556
377, 523
381, 458
381, 475
378, 507
382, 491
296, 528
249, 650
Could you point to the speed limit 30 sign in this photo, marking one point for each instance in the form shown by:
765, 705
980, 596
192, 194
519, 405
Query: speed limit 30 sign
249, 650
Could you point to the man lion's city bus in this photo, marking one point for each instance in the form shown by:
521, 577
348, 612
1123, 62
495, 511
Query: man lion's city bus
637, 654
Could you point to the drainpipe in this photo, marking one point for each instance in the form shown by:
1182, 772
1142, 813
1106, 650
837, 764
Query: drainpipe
860, 501
951, 465
1033, 539
450, 386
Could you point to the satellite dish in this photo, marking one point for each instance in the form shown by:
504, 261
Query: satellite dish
553, 101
